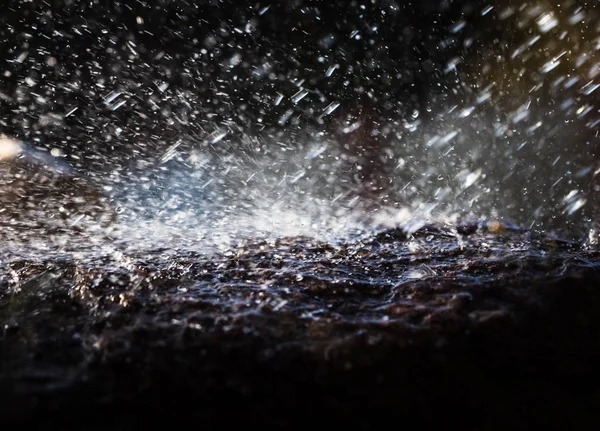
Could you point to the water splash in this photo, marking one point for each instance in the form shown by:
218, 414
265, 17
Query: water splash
230, 132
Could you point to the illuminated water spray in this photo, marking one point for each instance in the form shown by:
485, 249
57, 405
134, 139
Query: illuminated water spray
241, 127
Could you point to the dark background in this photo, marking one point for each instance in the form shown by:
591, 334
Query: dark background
187, 72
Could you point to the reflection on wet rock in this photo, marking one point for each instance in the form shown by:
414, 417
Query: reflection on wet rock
38, 191
389, 317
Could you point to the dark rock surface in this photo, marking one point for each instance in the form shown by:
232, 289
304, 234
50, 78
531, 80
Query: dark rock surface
481, 325
38, 192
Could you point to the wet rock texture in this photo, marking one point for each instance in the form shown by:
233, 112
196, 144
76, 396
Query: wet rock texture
39, 193
482, 325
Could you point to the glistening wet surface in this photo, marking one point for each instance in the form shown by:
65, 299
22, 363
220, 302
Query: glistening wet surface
267, 326
191, 202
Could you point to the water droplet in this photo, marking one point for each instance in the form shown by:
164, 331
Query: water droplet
299, 96
330, 108
546, 22
331, 70
486, 10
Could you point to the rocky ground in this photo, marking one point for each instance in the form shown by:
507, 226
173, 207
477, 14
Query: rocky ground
481, 325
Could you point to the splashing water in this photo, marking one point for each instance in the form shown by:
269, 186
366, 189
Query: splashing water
220, 131
197, 197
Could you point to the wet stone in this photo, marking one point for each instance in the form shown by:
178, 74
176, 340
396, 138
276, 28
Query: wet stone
39, 192
498, 322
